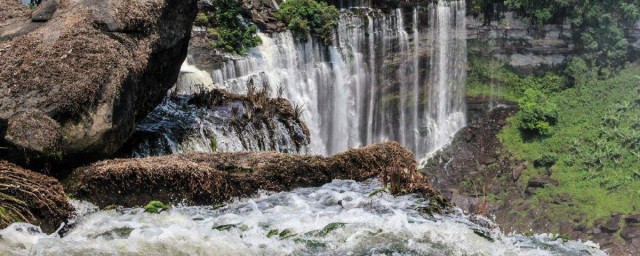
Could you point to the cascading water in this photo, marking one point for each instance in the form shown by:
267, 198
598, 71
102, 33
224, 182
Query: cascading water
372, 84
177, 126
446, 106
339, 218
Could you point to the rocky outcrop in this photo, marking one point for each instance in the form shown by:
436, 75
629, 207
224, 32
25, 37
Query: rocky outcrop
521, 44
475, 167
26, 196
205, 179
73, 88
218, 121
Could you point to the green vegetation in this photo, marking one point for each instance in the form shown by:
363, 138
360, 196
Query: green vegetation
309, 17
156, 207
227, 28
601, 26
593, 150
490, 77
537, 114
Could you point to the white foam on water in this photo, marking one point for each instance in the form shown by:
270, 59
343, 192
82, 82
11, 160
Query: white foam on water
339, 218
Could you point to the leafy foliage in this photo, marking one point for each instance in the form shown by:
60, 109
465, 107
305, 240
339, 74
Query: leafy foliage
309, 17
227, 28
537, 114
595, 145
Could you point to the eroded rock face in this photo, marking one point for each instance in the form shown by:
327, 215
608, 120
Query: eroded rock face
93, 70
26, 196
218, 121
205, 179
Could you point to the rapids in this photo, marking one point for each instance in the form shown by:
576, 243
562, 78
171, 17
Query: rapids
339, 218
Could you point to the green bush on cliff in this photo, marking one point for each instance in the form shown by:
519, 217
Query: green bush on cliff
537, 114
309, 17
227, 28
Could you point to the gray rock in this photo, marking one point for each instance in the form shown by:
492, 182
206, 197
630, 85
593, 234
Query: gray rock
541, 181
45, 11
612, 226
632, 219
630, 232
89, 85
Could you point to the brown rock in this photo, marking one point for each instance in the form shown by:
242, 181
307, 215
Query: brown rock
541, 181
45, 11
26, 196
95, 69
516, 172
199, 178
612, 226
632, 219
630, 232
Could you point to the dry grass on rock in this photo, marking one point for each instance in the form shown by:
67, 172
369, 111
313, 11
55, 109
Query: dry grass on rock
205, 179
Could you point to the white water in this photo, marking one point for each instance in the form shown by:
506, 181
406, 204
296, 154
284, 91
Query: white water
362, 225
446, 111
368, 86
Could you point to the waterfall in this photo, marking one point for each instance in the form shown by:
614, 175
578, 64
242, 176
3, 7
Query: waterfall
368, 85
446, 106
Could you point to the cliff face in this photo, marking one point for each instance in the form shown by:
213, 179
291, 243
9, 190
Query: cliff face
74, 84
522, 45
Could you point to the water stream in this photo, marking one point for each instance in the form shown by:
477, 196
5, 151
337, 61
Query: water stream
381, 79
339, 218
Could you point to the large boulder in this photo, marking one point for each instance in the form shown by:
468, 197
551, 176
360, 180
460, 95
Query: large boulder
73, 87
206, 179
27, 196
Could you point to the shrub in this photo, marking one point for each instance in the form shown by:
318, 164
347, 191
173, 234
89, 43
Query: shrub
227, 28
537, 115
548, 159
309, 17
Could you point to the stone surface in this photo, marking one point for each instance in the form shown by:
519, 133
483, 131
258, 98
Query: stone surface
94, 70
630, 232
541, 181
632, 219
45, 11
612, 225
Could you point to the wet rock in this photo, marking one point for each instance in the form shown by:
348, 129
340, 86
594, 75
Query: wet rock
611, 226
541, 181
630, 232
27, 196
202, 179
95, 69
45, 11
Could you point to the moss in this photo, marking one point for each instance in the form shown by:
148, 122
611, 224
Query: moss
155, 207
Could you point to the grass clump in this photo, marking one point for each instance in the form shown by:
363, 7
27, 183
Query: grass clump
309, 17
